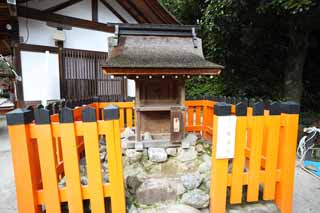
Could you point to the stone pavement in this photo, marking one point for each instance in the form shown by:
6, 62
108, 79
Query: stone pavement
306, 196
7, 186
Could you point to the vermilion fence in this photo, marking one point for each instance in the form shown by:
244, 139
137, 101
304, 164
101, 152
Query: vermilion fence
45, 150
47, 147
264, 156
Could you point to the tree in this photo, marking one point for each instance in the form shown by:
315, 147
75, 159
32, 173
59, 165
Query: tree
262, 44
298, 21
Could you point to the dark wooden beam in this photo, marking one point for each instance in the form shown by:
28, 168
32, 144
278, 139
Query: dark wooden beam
6, 44
12, 10
107, 5
94, 7
38, 48
56, 18
61, 6
161, 12
133, 11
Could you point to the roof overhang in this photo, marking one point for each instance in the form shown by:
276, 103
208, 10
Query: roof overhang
160, 71
158, 50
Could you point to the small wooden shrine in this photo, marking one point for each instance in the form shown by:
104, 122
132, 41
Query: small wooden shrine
159, 58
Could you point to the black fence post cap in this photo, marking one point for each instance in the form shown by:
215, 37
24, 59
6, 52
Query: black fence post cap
222, 109
228, 100
19, 116
111, 112
241, 109
275, 108
66, 115
89, 114
258, 108
290, 107
95, 99
42, 116
103, 99
39, 106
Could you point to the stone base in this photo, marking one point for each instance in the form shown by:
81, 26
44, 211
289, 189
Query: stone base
151, 143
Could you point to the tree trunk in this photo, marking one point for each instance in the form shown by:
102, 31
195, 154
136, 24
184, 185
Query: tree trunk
293, 76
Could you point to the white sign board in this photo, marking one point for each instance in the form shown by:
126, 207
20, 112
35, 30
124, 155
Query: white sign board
40, 75
226, 136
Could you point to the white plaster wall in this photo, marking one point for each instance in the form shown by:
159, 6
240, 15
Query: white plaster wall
84, 39
122, 11
76, 38
39, 32
40, 78
105, 15
81, 10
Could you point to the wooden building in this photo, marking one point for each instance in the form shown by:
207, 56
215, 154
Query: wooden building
59, 45
159, 58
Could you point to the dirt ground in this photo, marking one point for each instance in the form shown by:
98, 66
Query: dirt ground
306, 194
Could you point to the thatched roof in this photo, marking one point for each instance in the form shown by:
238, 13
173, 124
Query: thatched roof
160, 50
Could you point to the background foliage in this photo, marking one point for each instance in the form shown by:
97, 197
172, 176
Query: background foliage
264, 46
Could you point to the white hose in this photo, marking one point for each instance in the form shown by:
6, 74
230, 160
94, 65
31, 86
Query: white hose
301, 150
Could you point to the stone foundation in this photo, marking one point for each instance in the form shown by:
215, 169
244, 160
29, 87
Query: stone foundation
172, 179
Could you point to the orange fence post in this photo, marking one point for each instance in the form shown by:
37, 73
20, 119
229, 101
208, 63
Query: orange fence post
257, 125
70, 158
26, 174
129, 116
47, 155
287, 155
111, 131
271, 150
219, 169
91, 143
238, 162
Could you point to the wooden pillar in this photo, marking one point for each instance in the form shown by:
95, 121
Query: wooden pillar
137, 104
18, 69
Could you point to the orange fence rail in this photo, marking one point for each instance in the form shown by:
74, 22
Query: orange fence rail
44, 151
46, 148
264, 156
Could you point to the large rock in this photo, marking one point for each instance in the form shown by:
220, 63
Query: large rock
205, 167
171, 151
178, 187
205, 186
133, 156
196, 198
191, 181
177, 208
191, 139
127, 133
133, 183
154, 191
157, 155
206, 158
254, 208
172, 208
187, 154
